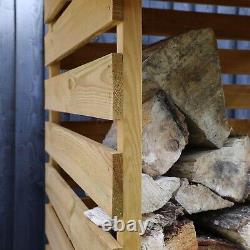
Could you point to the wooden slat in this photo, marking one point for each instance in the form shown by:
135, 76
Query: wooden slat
172, 22
94, 89
70, 210
240, 127
52, 8
237, 96
238, 3
95, 130
129, 128
235, 61
93, 166
55, 233
81, 21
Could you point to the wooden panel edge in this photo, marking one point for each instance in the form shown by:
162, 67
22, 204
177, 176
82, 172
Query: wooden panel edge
71, 213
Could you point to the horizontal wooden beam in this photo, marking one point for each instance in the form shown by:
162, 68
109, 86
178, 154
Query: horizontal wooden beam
95, 130
171, 22
237, 96
52, 8
238, 3
70, 210
96, 168
81, 21
55, 233
235, 61
240, 127
94, 89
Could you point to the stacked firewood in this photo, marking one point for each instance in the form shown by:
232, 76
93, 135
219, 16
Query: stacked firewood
195, 180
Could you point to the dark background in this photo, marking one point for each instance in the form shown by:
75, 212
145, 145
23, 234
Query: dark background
22, 116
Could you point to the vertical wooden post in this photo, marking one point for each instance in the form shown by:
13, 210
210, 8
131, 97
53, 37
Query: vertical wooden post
129, 43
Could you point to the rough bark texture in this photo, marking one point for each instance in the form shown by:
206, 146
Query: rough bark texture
187, 68
224, 170
169, 230
164, 135
212, 243
156, 193
232, 223
198, 198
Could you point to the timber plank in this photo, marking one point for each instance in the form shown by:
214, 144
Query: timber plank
238, 3
80, 22
240, 127
52, 8
55, 233
172, 22
94, 89
129, 128
237, 96
96, 168
235, 61
70, 209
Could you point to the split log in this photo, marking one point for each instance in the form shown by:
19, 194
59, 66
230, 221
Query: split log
233, 224
187, 68
166, 229
224, 170
164, 135
178, 232
198, 198
156, 193
212, 243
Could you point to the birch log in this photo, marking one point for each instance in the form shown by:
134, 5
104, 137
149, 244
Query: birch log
187, 68
224, 170
164, 135
198, 198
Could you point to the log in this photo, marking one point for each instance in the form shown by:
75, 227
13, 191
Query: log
232, 223
156, 193
182, 237
198, 198
164, 135
187, 68
225, 170
214, 243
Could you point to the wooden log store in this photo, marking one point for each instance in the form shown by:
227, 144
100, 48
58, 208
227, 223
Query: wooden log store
104, 80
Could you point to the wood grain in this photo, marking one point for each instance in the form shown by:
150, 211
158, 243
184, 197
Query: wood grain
129, 42
172, 22
70, 210
80, 22
240, 127
235, 61
29, 124
7, 122
52, 8
94, 89
238, 3
237, 96
94, 167
55, 233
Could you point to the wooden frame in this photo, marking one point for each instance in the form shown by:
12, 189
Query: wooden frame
104, 81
